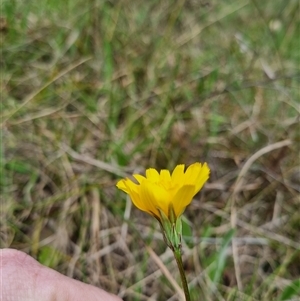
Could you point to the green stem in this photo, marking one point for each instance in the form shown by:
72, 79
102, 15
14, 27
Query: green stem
177, 255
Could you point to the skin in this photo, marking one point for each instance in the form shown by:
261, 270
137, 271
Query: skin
22, 278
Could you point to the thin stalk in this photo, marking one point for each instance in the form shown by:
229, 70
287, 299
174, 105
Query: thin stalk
177, 255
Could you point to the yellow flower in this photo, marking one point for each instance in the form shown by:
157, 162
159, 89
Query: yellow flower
158, 193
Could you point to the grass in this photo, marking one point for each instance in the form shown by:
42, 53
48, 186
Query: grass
93, 91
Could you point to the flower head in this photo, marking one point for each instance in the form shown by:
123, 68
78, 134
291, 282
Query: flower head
164, 193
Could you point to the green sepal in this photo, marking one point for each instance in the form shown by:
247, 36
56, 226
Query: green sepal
172, 215
166, 227
177, 229
171, 228
178, 225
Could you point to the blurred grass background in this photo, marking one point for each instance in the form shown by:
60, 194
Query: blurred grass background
92, 91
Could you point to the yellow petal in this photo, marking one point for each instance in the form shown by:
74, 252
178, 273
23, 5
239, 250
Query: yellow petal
165, 175
182, 198
178, 174
148, 199
130, 186
121, 185
138, 202
191, 174
202, 177
152, 175
133, 190
139, 178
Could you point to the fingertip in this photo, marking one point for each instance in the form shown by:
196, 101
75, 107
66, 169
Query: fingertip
27, 279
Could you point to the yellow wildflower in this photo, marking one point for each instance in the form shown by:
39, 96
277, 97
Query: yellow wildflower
165, 193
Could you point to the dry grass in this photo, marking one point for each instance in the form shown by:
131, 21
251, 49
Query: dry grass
92, 92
